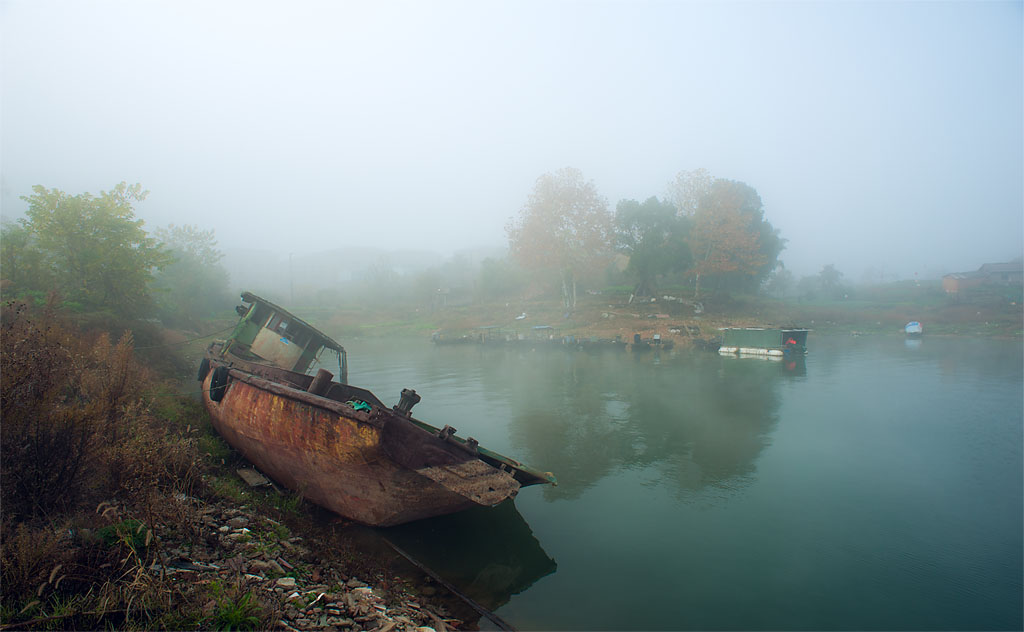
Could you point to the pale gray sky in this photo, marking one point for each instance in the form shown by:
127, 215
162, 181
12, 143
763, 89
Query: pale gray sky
878, 134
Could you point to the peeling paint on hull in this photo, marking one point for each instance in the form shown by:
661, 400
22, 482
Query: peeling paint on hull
375, 468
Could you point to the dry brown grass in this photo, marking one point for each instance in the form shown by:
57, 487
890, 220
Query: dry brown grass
82, 451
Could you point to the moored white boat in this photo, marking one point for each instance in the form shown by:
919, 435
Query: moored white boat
758, 341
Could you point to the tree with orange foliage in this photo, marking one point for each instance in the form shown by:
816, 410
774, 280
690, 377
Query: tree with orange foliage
730, 239
564, 228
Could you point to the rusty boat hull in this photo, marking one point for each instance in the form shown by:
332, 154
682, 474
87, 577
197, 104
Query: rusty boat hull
336, 444
376, 467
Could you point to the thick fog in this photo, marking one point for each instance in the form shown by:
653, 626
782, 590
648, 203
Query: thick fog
879, 135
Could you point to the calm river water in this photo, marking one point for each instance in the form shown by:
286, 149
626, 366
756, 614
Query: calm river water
875, 485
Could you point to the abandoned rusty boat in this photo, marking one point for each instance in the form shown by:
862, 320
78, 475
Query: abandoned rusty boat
336, 444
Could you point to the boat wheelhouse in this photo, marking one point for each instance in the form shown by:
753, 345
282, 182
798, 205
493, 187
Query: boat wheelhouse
268, 334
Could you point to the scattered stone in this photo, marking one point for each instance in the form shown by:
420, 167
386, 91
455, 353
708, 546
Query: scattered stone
252, 478
323, 597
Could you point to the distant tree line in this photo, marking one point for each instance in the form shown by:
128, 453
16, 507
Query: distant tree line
707, 233
828, 283
93, 254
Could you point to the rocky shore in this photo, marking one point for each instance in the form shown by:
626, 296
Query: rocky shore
294, 583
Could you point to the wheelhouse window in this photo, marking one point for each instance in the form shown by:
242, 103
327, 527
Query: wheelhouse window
289, 329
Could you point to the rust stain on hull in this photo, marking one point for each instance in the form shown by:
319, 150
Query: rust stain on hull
376, 468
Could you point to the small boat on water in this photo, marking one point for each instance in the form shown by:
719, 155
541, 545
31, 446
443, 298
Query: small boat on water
763, 342
337, 444
448, 338
653, 343
914, 329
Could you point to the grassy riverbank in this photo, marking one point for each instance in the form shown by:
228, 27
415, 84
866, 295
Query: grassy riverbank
986, 311
123, 509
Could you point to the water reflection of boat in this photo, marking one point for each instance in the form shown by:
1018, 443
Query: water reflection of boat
594, 343
489, 553
451, 338
337, 444
794, 366
758, 341
539, 336
791, 365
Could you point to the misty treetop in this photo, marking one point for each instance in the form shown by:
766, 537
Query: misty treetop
194, 284
94, 253
565, 228
733, 245
711, 229
687, 190
654, 237
190, 241
90, 249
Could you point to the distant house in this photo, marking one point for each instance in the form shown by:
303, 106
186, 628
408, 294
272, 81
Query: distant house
1011, 273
